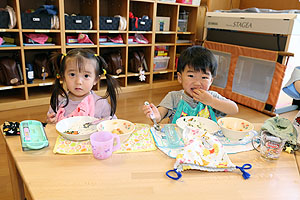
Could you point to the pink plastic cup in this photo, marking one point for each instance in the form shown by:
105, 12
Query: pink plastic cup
103, 144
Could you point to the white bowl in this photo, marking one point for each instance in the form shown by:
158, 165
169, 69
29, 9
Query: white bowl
121, 127
235, 129
201, 123
76, 124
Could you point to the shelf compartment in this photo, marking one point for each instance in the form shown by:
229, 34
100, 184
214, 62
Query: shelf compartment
39, 92
105, 39
82, 8
134, 81
191, 17
10, 39
179, 49
164, 38
53, 40
168, 10
170, 53
147, 54
26, 5
29, 59
11, 3
162, 77
185, 39
105, 53
142, 8
111, 8
73, 38
133, 36
121, 80
15, 55
11, 95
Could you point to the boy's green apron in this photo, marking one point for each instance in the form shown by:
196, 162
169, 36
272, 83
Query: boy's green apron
201, 110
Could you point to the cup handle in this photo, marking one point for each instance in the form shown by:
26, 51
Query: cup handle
254, 139
118, 145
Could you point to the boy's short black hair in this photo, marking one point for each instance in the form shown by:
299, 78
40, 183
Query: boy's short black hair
199, 58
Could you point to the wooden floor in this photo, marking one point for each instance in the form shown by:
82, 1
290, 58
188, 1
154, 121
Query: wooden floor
129, 108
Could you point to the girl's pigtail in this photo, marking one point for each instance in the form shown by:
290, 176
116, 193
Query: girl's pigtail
57, 90
113, 91
113, 86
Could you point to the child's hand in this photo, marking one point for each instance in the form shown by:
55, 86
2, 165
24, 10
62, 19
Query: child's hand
147, 111
51, 118
202, 95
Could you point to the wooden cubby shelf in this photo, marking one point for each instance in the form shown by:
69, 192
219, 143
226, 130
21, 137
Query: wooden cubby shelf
38, 92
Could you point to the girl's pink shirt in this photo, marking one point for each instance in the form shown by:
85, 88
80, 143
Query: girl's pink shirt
101, 107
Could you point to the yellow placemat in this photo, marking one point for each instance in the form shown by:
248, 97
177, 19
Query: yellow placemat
64, 146
140, 140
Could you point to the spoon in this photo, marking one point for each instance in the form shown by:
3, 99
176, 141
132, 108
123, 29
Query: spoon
156, 126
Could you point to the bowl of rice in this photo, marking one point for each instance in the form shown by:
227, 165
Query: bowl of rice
72, 128
121, 127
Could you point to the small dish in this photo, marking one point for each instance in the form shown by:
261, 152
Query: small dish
201, 123
235, 129
72, 128
121, 127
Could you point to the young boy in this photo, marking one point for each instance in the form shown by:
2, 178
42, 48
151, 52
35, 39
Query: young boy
196, 69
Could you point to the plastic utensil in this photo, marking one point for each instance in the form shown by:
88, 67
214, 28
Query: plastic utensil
156, 126
88, 124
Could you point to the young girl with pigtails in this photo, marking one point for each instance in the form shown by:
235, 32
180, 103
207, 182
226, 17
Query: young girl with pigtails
80, 70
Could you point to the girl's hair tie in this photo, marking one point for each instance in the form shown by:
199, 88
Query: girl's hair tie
104, 72
57, 76
96, 55
62, 57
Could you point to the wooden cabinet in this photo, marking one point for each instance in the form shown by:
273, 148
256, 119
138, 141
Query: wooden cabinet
38, 92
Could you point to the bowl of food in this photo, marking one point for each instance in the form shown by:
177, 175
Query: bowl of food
201, 123
235, 129
121, 127
73, 128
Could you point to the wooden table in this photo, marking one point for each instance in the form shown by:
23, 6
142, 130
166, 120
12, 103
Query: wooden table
46, 175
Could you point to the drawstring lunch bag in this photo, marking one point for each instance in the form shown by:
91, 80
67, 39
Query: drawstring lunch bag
201, 151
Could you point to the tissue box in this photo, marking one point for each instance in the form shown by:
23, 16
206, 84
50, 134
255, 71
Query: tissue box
162, 24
